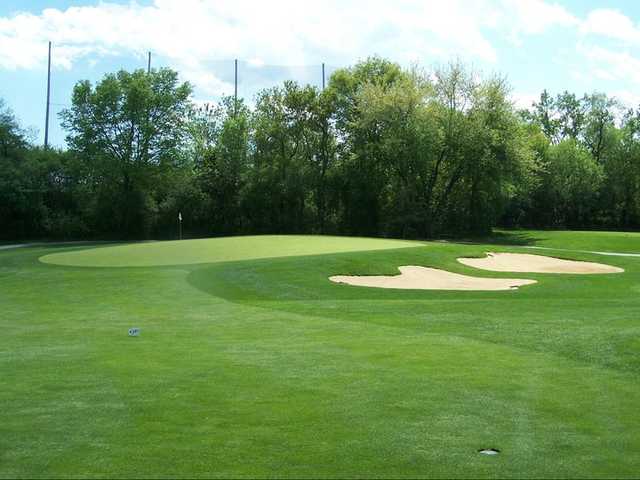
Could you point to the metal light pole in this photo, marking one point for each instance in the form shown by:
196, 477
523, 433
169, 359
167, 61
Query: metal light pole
235, 92
149, 63
235, 79
323, 77
46, 121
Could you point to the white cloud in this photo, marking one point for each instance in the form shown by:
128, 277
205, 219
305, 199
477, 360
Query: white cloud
256, 62
603, 74
628, 98
612, 61
285, 32
524, 100
536, 16
189, 33
615, 65
207, 82
612, 24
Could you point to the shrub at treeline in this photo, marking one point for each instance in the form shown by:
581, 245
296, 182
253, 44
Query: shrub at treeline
381, 151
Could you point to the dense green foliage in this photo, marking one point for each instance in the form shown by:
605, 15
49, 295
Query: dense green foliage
381, 151
262, 368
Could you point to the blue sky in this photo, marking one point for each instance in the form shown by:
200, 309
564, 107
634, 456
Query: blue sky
580, 46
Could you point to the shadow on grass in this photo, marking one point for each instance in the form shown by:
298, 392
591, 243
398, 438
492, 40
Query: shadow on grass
500, 237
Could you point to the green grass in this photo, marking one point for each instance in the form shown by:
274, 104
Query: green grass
261, 367
620, 242
227, 249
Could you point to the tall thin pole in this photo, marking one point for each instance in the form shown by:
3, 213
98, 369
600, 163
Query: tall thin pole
235, 93
149, 63
323, 77
46, 121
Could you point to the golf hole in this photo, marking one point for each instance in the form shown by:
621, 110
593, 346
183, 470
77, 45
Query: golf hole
489, 451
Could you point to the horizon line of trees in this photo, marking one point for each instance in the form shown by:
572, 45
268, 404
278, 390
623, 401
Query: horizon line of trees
382, 151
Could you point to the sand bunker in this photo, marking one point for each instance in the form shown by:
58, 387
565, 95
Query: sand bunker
523, 262
424, 278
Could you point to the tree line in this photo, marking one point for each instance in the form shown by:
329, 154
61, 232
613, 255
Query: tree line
382, 151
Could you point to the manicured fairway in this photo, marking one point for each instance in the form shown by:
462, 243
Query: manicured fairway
262, 367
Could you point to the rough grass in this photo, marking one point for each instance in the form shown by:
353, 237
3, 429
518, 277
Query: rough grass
263, 368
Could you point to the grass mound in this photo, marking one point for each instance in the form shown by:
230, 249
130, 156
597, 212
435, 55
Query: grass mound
213, 250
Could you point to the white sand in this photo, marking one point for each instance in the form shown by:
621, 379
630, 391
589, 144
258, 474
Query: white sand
524, 262
424, 278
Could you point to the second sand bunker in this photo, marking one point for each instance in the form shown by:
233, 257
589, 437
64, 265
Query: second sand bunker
527, 263
425, 278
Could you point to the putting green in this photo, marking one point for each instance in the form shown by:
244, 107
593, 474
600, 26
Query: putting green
212, 250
